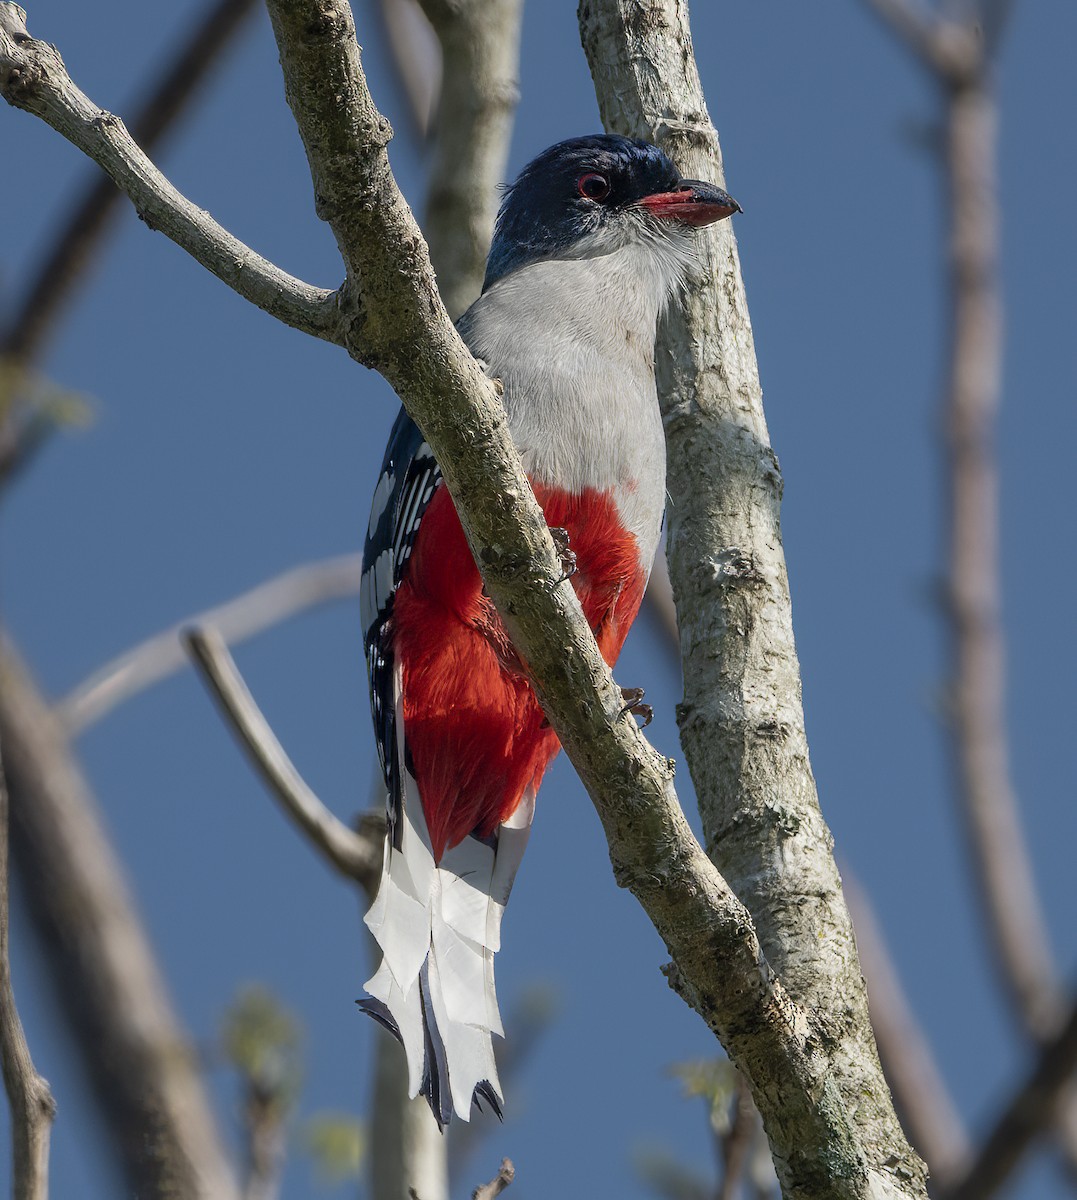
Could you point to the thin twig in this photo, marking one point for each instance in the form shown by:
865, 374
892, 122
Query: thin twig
354, 855
252, 612
950, 50
31, 1103
923, 1100
505, 1175
1031, 1110
33, 77
175, 85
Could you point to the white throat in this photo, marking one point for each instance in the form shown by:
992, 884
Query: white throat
572, 340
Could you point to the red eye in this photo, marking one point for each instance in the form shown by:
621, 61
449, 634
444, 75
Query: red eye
593, 186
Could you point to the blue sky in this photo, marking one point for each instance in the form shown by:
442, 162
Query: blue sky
226, 448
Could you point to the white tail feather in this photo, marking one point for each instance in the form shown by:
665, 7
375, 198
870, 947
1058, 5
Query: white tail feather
438, 927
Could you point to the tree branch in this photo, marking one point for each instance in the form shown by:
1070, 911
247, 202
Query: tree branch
66, 262
741, 722
136, 1055
29, 1099
33, 77
923, 1100
351, 854
480, 44
980, 744
1033, 1108
417, 55
489, 1191
252, 612
950, 50
396, 323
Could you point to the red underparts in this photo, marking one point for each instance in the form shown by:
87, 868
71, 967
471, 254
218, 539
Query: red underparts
473, 725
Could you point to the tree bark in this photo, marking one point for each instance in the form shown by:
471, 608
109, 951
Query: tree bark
741, 722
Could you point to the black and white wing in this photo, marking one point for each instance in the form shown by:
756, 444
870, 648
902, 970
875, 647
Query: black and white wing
409, 477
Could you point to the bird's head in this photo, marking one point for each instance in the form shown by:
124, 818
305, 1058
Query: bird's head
590, 196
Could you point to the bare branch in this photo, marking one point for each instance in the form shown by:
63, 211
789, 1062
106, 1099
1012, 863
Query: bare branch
72, 249
742, 721
953, 51
29, 1099
33, 77
1032, 1110
417, 54
920, 1092
351, 854
252, 612
136, 1055
980, 743
736, 1144
978, 686
505, 1175
480, 43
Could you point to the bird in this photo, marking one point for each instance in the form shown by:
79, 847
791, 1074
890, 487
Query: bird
591, 240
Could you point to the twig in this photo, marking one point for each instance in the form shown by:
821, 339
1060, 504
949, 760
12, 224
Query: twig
736, 1144
1031, 1110
951, 50
480, 44
31, 1103
33, 77
252, 612
505, 1175
352, 854
175, 85
148, 1088
417, 55
920, 1092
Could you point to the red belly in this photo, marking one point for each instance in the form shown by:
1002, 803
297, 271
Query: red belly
473, 726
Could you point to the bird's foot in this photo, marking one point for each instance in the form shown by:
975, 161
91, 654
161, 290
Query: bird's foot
564, 553
633, 698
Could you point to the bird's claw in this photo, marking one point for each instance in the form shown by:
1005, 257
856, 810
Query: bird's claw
633, 698
564, 553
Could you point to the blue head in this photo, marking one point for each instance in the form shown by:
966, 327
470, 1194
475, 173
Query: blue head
590, 195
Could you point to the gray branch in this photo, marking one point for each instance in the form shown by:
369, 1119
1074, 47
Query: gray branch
254, 611
29, 1099
391, 318
354, 855
33, 77
980, 744
139, 1060
741, 722
921, 1094
73, 248
1032, 1109
480, 44
489, 1191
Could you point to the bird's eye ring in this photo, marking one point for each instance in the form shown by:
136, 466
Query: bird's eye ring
593, 186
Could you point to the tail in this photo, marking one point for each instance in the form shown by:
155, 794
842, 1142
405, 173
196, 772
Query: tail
439, 926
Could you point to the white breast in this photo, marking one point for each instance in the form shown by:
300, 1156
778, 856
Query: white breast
573, 343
